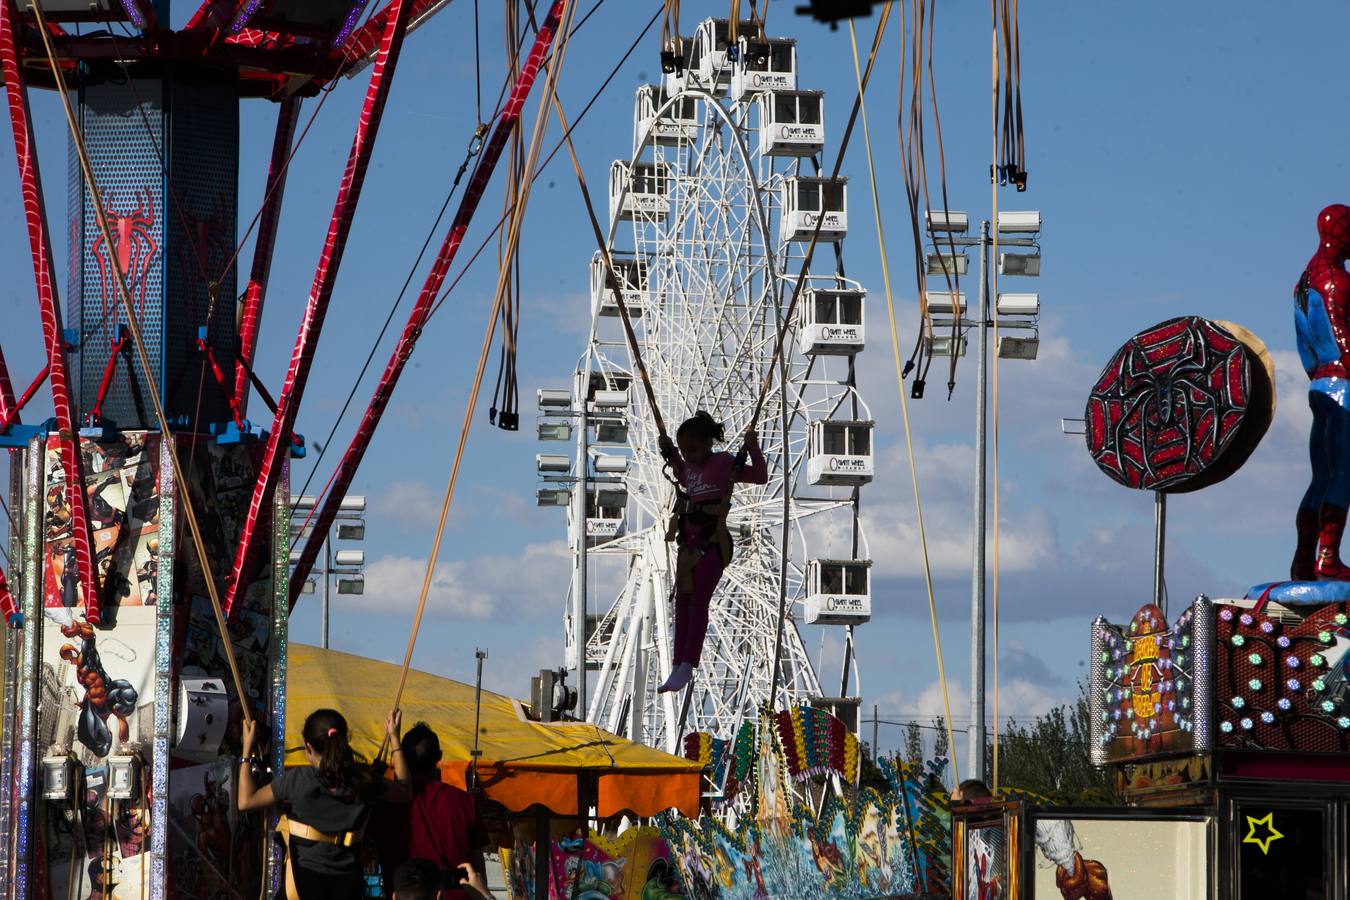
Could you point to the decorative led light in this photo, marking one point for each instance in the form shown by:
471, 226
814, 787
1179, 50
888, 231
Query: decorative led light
1105, 656
1245, 618
1255, 659
1238, 640
1185, 702
1106, 716
1226, 614
1226, 727
1115, 714
1317, 659
1319, 685
1341, 619
1238, 702
1267, 717
1284, 704
1292, 662
1282, 641
1164, 664
1129, 713
1324, 637
1185, 640
1328, 706
1171, 705
1293, 684
1267, 626
1129, 692
1246, 723
1254, 684
1343, 722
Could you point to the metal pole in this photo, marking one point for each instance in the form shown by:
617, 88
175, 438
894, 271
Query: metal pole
975, 750
479, 655
579, 536
1159, 548
876, 751
327, 574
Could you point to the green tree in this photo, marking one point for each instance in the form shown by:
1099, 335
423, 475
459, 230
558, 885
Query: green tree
1050, 756
914, 744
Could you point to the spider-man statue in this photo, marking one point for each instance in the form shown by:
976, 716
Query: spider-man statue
103, 697
1322, 323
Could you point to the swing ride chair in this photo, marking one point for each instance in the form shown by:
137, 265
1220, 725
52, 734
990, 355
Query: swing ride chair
763, 65
657, 120
830, 321
632, 272
791, 123
841, 452
708, 65
716, 213
806, 199
838, 591
638, 189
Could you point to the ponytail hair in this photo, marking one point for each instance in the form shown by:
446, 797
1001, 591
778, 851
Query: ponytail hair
704, 427
326, 731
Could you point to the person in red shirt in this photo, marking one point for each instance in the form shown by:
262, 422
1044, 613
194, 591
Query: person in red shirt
440, 824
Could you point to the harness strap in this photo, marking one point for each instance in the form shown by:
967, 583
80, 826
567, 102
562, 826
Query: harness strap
289, 828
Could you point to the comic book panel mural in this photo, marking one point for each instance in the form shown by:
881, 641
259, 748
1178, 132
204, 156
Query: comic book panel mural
1150, 683
1096, 858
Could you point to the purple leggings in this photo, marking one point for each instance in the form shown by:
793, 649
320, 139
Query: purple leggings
691, 610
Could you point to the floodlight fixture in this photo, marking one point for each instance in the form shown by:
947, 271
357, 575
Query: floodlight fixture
124, 777
355, 532
1028, 264
606, 464
610, 399
304, 502
1015, 222
349, 558
356, 584
611, 433
553, 497
946, 221
1011, 304
58, 778
308, 587
1010, 347
945, 345
352, 503
611, 498
555, 431
947, 303
947, 264
552, 398
548, 462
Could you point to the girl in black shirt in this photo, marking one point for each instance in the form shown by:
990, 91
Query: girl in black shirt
329, 800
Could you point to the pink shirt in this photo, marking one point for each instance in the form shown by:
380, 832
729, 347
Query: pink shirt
714, 477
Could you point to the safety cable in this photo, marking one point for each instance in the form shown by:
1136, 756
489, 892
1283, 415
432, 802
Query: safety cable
322, 450
993, 190
904, 410
167, 435
552, 67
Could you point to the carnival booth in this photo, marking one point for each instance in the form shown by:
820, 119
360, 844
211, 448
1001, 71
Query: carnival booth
1228, 722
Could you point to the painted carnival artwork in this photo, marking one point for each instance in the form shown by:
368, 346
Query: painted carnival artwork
1149, 684
1079, 857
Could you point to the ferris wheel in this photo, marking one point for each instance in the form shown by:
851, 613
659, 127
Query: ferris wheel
709, 221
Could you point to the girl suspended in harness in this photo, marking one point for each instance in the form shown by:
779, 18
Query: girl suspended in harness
699, 525
326, 805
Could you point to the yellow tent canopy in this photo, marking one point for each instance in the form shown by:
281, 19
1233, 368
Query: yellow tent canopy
522, 762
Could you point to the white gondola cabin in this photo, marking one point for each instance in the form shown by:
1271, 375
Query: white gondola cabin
710, 68
840, 452
632, 272
806, 199
831, 321
605, 511
764, 66
677, 125
791, 123
648, 190
838, 591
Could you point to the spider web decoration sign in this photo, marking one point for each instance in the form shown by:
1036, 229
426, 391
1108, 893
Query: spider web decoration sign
1180, 406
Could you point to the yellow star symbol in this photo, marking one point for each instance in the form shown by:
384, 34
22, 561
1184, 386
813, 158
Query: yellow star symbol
1262, 842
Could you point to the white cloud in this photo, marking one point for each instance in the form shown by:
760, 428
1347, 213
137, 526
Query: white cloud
410, 504
482, 588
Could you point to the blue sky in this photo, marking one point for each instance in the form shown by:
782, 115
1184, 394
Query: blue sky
1178, 155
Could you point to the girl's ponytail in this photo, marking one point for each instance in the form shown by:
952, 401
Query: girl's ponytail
704, 427
326, 731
